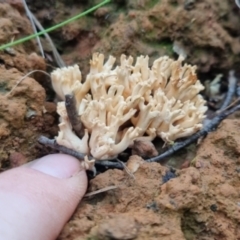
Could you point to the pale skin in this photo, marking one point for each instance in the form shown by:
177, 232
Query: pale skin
37, 199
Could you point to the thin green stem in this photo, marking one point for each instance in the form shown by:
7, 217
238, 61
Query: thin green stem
55, 26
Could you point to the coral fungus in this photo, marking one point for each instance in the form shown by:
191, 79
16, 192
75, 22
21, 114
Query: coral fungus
117, 105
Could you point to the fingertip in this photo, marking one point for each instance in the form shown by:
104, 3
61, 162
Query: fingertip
56, 165
48, 190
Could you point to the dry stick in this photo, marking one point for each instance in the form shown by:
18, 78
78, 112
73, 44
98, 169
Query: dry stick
109, 164
71, 108
56, 55
202, 133
176, 147
24, 77
238, 91
230, 105
77, 126
54, 145
126, 169
29, 14
179, 145
232, 83
100, 191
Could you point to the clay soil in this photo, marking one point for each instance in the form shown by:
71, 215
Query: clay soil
198, 197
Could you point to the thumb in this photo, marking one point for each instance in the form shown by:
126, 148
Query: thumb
38, 198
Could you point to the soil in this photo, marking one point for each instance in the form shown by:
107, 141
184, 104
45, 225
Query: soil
198, 202
198, 197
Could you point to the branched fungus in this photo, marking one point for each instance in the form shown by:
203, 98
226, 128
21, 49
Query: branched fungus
118, 105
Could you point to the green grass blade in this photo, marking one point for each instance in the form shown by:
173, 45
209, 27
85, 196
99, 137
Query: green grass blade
55, 26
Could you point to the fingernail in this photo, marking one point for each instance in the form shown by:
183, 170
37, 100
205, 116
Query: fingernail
56, 165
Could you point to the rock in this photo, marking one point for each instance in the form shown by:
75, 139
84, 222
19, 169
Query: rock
119, 227
144, 149
133, 163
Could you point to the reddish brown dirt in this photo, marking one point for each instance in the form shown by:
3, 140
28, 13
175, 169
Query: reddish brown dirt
208, 31
201, 202
24, 116
14, 25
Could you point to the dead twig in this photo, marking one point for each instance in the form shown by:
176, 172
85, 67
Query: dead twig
24, 77
211, 126
35, 23
29, 14
54, 145
231, 105
75, 121
100, 191
128, 171
110, 163
238, 91
232, 83
56, 55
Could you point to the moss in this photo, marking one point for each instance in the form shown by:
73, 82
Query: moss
166, 45
3, 87
190, 227
150, 36
174, 4
92, 238
152, 3
155, 19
